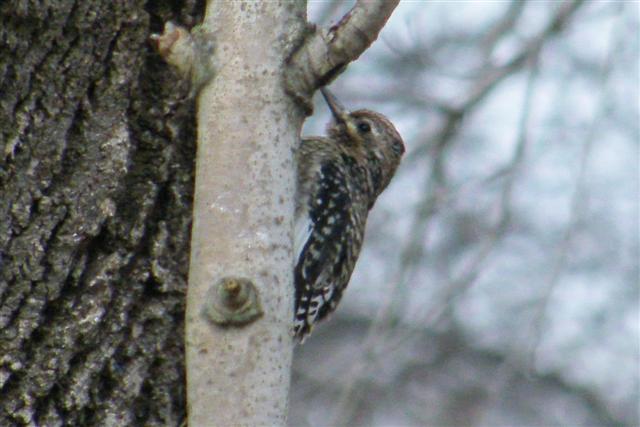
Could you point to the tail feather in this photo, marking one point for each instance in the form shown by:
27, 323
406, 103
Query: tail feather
313, 305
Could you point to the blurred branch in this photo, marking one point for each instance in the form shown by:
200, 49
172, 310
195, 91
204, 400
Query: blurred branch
437, 378
503, 26
486, 83
578, 199
435, 187
459, 285
512, 365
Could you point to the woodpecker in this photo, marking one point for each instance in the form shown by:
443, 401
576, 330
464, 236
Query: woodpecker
339, 178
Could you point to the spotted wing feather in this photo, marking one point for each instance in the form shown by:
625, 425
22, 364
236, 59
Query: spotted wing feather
320, 270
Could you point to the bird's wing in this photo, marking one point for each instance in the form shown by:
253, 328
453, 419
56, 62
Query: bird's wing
323, 235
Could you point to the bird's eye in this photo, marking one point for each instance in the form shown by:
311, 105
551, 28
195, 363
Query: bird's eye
364, 127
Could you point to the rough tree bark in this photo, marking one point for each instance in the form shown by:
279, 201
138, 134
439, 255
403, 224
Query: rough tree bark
96, 184
97, 146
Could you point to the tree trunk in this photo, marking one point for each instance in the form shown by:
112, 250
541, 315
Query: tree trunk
96, 185
96, 181
248, 128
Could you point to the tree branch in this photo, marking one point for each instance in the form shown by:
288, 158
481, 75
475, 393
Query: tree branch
326, 53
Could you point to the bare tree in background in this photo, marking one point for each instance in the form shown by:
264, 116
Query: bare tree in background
512, 300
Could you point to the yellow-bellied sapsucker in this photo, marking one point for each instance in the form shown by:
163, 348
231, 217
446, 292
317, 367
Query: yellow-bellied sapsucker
339, 179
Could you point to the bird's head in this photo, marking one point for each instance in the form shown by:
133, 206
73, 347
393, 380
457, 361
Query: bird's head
369, 134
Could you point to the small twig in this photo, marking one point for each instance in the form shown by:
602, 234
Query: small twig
190, 52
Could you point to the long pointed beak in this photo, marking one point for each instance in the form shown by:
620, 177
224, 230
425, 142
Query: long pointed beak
336, 108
